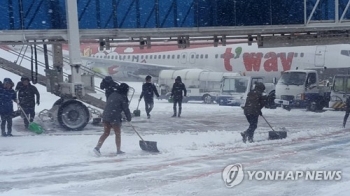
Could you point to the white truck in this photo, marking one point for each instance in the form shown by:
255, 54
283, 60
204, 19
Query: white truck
340, 91
302, 89
201, 85
234, 90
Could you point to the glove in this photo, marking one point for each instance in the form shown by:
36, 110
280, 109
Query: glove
260, 113
38, 102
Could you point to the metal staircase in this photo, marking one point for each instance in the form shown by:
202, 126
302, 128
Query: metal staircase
16, 68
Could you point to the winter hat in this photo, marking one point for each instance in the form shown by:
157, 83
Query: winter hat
7, 80
148, 77
24, 78
178, 78
108, 79
259, 86
123, 88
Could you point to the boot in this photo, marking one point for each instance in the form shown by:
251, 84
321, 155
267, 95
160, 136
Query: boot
179, 113
174, 115
244, 136
344, 124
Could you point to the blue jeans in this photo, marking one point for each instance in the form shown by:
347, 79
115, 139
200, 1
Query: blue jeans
149, 106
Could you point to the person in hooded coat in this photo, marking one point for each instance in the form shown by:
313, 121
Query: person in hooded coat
112, 118
26, 97
177, 95
148, 91
252, 109
7, 97
108, 85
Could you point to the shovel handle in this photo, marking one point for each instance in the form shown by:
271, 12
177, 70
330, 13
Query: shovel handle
136, 131
137, 106
267, 122
23, 112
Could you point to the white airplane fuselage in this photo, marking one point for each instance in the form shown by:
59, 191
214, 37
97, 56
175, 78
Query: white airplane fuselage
241, 58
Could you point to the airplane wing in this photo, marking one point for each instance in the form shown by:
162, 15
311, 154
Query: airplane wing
126, 70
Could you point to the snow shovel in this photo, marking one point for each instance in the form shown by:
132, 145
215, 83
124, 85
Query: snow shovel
275, 135
149, 146
137, 112
33, 127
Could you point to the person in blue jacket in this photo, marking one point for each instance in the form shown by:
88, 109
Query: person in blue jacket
7, 97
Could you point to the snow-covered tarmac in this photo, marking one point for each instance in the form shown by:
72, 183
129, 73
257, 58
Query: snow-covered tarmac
194, 151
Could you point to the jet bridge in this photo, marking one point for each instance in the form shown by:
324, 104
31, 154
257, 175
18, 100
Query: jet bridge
269, 23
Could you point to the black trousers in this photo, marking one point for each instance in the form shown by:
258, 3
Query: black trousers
30, 112
6, 118
177, 102
347, 112
253, 124
149, 106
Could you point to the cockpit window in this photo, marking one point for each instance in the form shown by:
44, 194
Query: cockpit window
345, 52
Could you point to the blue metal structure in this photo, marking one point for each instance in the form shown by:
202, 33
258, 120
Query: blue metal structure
112, 14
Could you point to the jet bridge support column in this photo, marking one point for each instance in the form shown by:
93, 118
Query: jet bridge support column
76, 87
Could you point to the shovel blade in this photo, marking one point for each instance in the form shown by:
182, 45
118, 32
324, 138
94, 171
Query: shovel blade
137, 112
149, 146
276, 135
36, 128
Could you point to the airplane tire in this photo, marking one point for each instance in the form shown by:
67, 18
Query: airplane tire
73, 115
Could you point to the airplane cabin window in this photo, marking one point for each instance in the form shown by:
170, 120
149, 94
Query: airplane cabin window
295, 55
173, 56
178, 56
201, 56
183, 56
141, 56
206, 56
128, 57
105, 57
150, 56
192, 56
159, 56
168, 56
301, 55
216, 56
197, 56
146, 56
155, 56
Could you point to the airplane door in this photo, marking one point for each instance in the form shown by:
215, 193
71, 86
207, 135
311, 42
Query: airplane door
192, 58
320, 56
184, 57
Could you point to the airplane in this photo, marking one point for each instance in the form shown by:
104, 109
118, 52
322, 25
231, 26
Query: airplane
131, 62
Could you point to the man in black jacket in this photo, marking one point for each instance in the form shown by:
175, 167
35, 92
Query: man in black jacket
108, 84
177, 95
254, 103
148, 91
26, 97
347, 111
